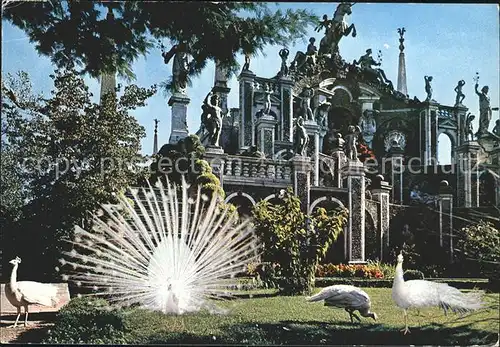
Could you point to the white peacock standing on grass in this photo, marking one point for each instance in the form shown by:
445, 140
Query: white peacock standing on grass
345, 296
165, 251
421, 293
26, 293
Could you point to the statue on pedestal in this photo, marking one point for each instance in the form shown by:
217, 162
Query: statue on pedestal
246, 66
485, 110
366, 62
496, 132
460, 95
428, 87
180, 66
305, 104
469, 130
351, 148
211, 118
267, 105
283, 53
305, 61
321, 113
301, 138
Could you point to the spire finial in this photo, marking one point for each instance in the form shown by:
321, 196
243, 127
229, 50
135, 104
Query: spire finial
401, 32
155, 141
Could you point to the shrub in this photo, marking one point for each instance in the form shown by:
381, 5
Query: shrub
413, 275
90, 321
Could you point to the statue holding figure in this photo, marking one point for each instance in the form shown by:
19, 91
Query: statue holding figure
335, 29
460, 95
366, 62
180, 67
351, 147
469, 130
428, 87
485, 109
283, 53
301, 138
305, 104
211, 118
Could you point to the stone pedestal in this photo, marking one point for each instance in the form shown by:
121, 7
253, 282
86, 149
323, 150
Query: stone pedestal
286, 111
215, 156
354, 172
302, 180
179, 129
313, 130
380, 192
446, 217
247, 129
266, 135
467, 188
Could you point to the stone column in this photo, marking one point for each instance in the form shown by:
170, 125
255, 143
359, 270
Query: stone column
380, 193
220, 86
247, 129
396, 170
461, 114
179, 129
265, 135
302, 180
313, 130
446, 217
467, 188
286, 111
340, 159
428, 131
495, 160
355, 173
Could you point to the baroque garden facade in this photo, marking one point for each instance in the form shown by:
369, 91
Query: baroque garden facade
342, 135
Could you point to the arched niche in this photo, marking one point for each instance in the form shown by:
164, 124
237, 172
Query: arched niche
487, 188
244, 203
445, 147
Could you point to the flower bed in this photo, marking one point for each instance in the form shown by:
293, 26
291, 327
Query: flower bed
342, 270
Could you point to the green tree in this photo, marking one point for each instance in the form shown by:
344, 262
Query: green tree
296, 241
479, 243
76, 31
73, 156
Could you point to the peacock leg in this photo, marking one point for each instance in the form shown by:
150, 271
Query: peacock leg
350, 315
26, 316
17, 319
356, 316
406, 330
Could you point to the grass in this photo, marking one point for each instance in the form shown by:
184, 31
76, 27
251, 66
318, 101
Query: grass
261, 317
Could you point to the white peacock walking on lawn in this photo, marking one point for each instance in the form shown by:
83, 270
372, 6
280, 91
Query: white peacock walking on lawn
164, 251
348, 297
421, 293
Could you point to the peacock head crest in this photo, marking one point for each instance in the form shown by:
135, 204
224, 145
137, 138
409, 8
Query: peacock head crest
400, 257
15, 261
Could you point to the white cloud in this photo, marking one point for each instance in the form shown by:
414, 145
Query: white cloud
386, 46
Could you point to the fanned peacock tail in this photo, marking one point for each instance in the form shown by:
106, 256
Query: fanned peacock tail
162, 249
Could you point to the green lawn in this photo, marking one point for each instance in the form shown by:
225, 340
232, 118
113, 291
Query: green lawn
261, 318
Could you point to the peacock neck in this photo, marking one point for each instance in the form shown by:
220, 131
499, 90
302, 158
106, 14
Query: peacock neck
398, 276
13, 276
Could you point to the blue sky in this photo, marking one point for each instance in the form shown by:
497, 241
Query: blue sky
448, 41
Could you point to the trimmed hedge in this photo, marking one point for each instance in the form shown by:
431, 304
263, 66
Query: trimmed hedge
88, 320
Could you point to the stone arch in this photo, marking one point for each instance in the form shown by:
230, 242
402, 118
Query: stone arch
243, 202
487, 188
443, 146
324, 198
341, 87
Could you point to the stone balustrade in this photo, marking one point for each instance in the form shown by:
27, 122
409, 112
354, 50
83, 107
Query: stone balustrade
247, 167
